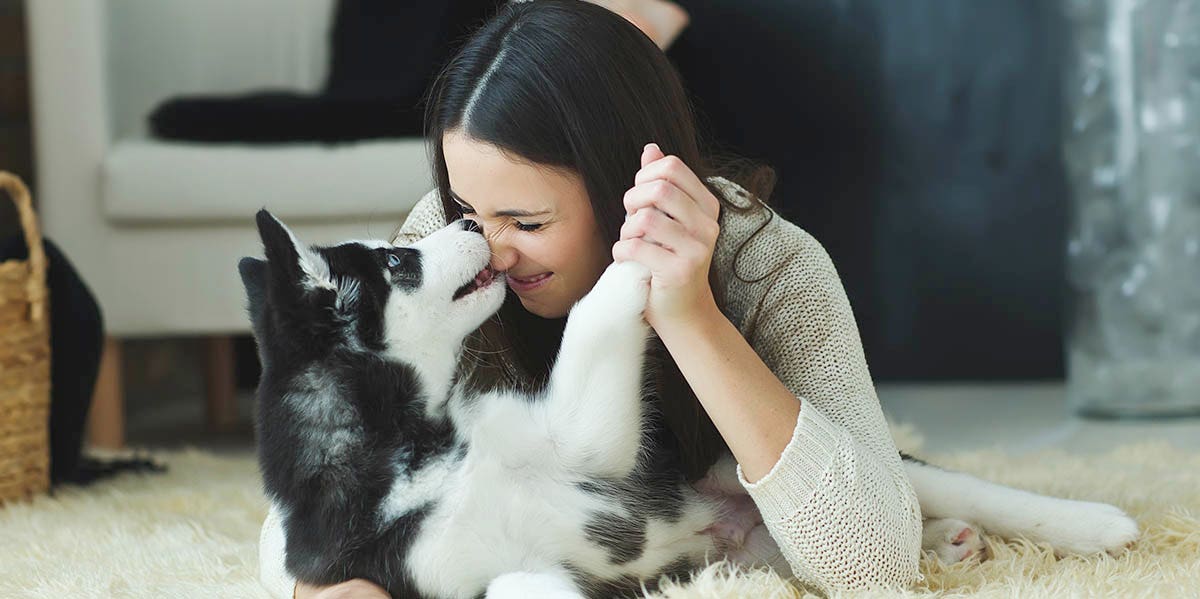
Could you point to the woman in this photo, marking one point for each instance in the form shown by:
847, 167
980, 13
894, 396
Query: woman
539, 131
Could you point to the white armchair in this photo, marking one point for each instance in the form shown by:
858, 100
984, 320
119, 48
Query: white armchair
156, 228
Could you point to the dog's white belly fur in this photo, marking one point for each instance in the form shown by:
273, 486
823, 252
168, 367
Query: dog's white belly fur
496, 519
510, 506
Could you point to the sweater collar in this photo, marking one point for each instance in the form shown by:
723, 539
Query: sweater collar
734, 193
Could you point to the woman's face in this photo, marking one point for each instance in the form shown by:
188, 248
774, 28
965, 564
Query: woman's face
537, 220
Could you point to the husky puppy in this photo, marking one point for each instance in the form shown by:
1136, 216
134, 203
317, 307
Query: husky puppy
383, 467
382, 471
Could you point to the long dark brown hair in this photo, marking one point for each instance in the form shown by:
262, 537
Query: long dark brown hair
569, 84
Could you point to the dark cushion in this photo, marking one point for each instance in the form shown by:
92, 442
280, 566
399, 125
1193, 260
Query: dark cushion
383, 56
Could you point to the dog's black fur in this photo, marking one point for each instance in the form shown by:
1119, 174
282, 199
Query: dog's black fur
329, 540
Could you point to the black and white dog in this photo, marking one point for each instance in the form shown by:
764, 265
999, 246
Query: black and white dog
384, 469
382, 472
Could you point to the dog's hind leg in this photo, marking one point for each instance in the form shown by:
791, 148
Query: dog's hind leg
952, 540
1069, 526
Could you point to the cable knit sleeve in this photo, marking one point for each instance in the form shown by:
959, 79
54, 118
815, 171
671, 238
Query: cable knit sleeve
838, 501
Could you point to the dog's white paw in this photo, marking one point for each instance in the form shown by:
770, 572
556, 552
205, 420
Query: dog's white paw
952, 540
620, 293
519, 585
1090, 528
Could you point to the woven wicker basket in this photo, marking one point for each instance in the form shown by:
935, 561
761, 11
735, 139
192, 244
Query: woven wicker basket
24, 361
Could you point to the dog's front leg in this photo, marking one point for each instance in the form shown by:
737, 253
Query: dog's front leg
593, 406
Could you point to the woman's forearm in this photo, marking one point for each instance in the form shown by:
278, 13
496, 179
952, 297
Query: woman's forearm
753, 410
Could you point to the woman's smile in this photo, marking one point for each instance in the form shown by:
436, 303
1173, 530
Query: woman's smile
528, 284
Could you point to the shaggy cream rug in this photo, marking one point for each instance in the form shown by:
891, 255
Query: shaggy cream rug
193, 532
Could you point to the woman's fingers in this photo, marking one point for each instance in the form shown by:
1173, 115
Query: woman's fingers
656, 227
657, 200
672, 169
650, 153
667, 198
669, 269
651, 255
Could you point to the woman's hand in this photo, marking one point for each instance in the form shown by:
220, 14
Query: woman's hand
671, 228
357, 588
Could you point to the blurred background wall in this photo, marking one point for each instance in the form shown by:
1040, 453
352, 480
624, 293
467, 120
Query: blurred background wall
919, 141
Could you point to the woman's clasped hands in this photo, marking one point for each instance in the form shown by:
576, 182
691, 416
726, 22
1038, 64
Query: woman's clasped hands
671, 228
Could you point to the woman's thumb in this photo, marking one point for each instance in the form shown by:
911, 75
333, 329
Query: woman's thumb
650, 153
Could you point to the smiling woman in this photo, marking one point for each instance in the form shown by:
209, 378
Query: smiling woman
543, 170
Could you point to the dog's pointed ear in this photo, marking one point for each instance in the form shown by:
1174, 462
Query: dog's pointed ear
254, 279
292, 261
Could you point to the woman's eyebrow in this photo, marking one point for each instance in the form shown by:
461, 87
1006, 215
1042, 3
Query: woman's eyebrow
521, 213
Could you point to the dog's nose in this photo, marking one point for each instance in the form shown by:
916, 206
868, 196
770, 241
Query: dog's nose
470, 225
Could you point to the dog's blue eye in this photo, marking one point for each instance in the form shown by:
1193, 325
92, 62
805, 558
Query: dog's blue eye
393, 260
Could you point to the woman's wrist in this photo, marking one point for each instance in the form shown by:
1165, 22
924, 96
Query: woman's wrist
702, 321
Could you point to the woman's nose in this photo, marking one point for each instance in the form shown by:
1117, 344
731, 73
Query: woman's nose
504, 256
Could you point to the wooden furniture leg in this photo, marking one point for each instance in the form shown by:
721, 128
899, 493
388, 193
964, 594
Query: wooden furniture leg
106, 418
220, 387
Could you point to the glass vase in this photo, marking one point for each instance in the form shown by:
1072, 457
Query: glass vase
1132, 123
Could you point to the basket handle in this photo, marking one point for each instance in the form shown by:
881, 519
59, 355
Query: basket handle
36, 285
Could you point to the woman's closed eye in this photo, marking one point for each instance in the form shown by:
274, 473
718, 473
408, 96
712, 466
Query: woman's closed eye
464, 210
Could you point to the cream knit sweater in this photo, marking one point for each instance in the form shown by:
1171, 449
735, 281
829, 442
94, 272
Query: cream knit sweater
838, 501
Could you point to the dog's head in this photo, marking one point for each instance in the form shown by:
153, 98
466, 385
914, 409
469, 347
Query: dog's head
305, 301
